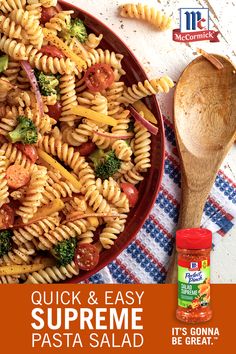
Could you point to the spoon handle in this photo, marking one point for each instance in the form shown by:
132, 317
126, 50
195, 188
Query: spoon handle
191, 209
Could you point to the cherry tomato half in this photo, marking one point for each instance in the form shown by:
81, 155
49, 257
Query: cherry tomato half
131, 193
54, 111
7, 216
87, 148
52, 51
86, 256
28, 150
47, 14
99, 77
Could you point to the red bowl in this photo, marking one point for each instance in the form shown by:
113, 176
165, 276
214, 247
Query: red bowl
149, 188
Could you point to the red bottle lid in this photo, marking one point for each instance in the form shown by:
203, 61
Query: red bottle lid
194, 239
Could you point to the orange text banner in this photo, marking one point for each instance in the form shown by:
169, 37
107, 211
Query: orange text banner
110, 319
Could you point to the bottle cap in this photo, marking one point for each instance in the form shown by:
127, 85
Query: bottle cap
194, 239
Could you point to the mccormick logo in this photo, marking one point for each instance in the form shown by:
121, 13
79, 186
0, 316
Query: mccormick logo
194, 26
194, 266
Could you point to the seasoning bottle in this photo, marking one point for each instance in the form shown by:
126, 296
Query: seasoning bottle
194, 247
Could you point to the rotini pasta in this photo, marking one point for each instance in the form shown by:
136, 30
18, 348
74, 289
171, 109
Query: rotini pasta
10, 28
93, 41
15, 156
4, 193
27, 233
45, 63
33, 195
146, 13
59, 22
122, 150
12, 71
10, 5
99, 56
33, 30
142, 147
13, 48
148, 88
34, 7
53, 274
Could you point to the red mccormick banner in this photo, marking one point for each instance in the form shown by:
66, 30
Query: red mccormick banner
208, 35
194, 26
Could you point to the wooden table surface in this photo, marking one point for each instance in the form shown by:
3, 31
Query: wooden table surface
161, 55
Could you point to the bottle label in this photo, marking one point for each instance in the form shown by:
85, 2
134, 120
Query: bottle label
194, 283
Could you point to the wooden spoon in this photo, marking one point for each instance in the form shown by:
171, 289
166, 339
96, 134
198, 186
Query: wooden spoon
205, 126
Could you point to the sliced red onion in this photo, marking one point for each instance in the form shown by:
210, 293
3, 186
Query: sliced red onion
33, 81
113, 136
137, 116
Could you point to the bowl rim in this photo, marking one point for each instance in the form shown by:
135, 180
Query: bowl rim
80, 278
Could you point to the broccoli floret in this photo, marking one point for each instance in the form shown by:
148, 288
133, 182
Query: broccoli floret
48, 84
25, 132
105, 164
5, 242
76, 29
65, 251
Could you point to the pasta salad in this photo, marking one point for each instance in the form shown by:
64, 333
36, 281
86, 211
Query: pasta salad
75, 143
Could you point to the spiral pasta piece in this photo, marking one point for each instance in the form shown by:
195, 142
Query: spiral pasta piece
7, 279
20, 255
122, 150
33, 30
10, 28
33, 196
80, 84
99, 56
21, 98
34, 7
59, 22
142, 147
27, 233
10, 5
102, 142
112, 230
113, 95
4, 193
63, 232
123, 120
11, 47
63, 151
90, 191
68, 96
96, 102
111, 191
15, 156
48, 65
7, 124
12, 71
86, 237
93, 41
75, 204
61, 189
131, 176
146, 13
81, 134
53, 274
148, 88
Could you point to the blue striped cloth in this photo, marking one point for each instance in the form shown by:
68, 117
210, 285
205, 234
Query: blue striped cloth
146, 259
